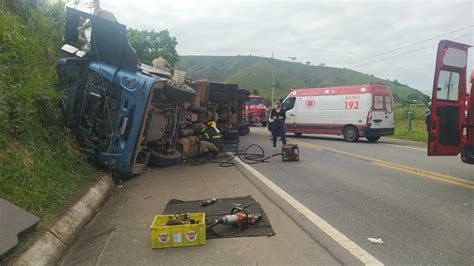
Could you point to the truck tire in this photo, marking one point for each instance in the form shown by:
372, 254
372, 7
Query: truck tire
372, 139
244, 132
218, 97
244, 129
179, 94
467, 154
297, 134
161, 159
230, 134
350, 134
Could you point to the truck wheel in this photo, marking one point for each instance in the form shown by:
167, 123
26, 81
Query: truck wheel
217, 97
351, 134
179, 94
297, 134
467, 154
244, 129
161, 159
244, 132
373, 139
230, 134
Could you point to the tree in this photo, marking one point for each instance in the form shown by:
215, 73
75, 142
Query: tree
396, 98
152, 44
255, 92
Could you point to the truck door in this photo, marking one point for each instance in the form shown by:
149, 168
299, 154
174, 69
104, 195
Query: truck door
448, 99
289, 105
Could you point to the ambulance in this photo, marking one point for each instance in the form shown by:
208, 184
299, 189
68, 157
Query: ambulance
350, 111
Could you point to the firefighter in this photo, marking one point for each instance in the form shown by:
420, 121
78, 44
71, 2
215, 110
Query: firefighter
210, 139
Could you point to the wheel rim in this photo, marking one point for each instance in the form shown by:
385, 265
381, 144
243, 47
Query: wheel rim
350, 134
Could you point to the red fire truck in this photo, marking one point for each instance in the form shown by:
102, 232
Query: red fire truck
256, 111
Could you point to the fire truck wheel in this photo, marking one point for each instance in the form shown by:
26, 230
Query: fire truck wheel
298, 134
161, 159
373, 139
467, 154
351, 134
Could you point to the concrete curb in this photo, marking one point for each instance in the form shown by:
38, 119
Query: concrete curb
49, 248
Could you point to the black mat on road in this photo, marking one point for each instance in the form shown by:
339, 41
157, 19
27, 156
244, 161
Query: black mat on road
220, 208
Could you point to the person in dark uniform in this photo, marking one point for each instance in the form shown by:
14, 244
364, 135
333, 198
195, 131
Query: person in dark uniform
210, 139
428, 117
277, 117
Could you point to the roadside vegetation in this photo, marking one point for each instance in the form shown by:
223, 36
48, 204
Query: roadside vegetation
254, 72
418, 128
40, 169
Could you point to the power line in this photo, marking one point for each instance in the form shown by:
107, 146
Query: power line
409, 45
409, 52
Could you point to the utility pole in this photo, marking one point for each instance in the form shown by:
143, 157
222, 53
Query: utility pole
273, 84
273, 89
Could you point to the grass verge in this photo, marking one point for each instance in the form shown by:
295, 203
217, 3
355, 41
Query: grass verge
418, 130
40, 170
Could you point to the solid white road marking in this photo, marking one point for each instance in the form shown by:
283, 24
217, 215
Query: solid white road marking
332, 232
407, 147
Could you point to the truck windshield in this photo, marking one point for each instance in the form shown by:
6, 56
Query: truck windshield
256, 101
289, 103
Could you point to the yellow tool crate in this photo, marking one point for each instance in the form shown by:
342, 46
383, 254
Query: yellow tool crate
165, 236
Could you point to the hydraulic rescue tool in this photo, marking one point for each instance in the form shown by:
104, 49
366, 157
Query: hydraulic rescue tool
237, 217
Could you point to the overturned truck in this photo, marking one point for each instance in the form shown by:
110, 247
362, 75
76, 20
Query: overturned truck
127, 115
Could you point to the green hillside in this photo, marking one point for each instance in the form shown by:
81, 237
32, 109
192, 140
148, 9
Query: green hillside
40, 168
254, 72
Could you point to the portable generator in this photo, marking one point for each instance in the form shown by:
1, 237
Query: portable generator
290, 152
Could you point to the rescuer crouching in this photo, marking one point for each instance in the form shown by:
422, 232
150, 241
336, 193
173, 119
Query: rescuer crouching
210, 140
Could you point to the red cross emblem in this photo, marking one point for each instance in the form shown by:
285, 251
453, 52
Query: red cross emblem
310, 102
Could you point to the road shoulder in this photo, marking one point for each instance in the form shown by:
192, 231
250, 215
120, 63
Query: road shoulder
120, 234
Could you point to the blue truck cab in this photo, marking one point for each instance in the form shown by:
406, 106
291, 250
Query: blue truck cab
123, 116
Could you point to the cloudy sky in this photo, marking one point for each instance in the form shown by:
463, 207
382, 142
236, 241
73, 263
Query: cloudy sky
337, 33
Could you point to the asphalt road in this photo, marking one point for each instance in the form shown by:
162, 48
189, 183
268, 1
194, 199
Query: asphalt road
421, 207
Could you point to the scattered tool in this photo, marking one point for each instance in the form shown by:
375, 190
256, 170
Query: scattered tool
180, 219
208, 202
237, 217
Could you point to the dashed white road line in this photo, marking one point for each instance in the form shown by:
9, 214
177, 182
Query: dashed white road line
406, 147
332, 232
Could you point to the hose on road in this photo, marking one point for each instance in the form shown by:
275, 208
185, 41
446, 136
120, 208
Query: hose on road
252, 154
